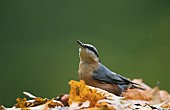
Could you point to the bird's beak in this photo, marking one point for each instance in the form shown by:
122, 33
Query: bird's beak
80, 44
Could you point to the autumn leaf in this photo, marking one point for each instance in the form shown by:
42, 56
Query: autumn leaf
105, 105
21, 103
137, 94
80, 92
86, 97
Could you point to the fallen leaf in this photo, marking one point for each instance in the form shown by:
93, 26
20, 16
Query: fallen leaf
137, 94
80, 92
156, 98
54, 103
105, 105
21, 103
80, 105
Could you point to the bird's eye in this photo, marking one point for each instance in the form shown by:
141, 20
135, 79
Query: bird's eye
92, 49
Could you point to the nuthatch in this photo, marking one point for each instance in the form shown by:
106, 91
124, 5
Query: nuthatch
95, 74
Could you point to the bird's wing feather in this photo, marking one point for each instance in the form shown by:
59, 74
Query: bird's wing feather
105, 75
127, 80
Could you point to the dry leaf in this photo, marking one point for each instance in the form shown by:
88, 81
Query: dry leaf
105, 105
39, 101
54, 103
24, 104
2, 107
80, 93
137, 94
156, 98
21, 103
165, 96
166, 105
90, 98
80, 105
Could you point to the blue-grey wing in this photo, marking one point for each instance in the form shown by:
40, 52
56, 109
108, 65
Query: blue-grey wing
99, 75
105, 75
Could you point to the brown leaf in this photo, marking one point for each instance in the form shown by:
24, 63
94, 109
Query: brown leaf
54, 103
166, 105
165, 96
156, 98
21, 103
2, 107
39, 101
137, 94
105, 106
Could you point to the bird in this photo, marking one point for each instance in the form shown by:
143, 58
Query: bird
95, 74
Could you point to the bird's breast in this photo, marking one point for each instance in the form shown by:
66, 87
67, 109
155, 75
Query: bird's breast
85, 71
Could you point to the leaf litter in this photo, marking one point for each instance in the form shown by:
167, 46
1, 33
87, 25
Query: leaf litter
84, 97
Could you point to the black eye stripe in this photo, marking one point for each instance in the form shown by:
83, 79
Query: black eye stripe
92, 49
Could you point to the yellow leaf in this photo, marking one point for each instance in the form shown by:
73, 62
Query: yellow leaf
80, 92
21, 103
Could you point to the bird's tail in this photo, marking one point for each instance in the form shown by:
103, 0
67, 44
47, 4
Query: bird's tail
134, 86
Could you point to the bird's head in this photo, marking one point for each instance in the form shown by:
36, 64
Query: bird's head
88, 53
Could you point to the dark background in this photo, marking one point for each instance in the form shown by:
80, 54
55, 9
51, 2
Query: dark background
39, 53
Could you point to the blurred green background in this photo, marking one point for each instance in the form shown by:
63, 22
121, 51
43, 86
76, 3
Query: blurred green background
39, 53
